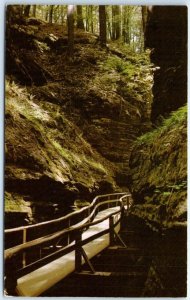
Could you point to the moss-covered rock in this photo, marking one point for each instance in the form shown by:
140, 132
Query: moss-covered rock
46, 156
70, 132
159, 173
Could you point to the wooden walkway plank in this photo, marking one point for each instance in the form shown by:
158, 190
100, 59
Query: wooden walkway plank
38, 281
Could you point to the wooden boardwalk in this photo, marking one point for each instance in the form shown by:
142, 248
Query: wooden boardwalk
36, 282
91, 236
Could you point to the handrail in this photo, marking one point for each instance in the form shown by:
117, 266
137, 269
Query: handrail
64, 217
72, 233
22, 247
73, 246
71, 218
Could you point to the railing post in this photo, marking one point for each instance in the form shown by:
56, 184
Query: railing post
127, 202
24, 254
111, 227
68, 239
78, 254
10, 277
122, 211
108, 202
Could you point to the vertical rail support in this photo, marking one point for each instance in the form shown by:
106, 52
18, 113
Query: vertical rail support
122, 210
127, 202
78, 254
10, 277
24, 253
108, 202
87, 261
111, 227
68, 236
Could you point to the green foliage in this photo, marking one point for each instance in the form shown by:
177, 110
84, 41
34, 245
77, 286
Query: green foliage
115, 63
56, 145
15, 203
177, 118
18, 102
128, 66
77, 158
130, 76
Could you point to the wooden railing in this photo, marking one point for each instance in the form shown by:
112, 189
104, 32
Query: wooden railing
53, 239
23, 234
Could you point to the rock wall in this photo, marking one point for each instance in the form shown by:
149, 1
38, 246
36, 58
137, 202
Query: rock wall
166, 35
47, 159
70, 131
159, 159
159, 172
159, 187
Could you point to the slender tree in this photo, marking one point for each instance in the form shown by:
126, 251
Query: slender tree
62, 14
27, 10
80, 23
51, 7
34, 10
109, 25
117, 22
144, 10
46, 13
113, 22
87, 17
91, 19
70, 26
102, 25
126, 24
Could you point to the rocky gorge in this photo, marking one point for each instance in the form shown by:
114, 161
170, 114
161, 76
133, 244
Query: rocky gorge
107, 120
69, 136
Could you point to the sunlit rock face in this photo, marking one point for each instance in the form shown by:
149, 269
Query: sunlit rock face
48, 161
166, 35
70, 129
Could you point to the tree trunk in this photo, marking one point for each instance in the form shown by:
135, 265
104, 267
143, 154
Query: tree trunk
113, 22
70, 26
80, 23
27, 11
14, 13
117, 22
63, 14
34, 11
126, 25
87, 18
47, 13
144, 10
91, 19
51, 14
102, 24
109, 26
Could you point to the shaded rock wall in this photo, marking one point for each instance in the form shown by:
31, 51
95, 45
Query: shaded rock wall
159, 172
167, 276
166, 34
159, 187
